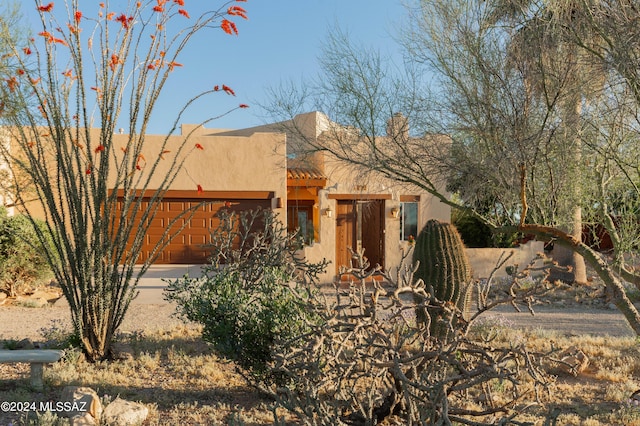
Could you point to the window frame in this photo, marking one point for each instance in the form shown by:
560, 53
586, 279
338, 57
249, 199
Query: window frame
413, 200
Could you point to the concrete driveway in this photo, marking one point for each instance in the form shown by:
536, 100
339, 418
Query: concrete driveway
152, 283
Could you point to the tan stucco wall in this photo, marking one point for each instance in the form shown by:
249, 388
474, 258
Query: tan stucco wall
345, 179
255, 159
226, 163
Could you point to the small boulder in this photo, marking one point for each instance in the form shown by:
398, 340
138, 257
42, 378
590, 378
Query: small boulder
573, 361
124, 413
25, 344
61, 302
83, 401
32, 302
122, 351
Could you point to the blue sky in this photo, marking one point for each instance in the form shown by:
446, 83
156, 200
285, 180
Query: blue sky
281, 41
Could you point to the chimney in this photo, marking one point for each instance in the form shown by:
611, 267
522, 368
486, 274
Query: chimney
398, 126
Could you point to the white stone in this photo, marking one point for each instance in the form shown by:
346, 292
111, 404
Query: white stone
124, 413
85, 399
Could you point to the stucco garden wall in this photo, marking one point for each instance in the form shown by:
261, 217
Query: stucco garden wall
483, 260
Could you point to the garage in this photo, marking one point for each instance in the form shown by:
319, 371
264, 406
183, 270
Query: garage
187, 246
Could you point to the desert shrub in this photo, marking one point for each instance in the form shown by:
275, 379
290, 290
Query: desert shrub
245, 296
22, 259
368, 361
58, 336
356, 354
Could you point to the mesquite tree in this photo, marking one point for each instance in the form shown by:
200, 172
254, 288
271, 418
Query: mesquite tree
87, 71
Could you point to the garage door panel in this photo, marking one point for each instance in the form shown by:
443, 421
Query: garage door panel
176, 206
152, 240
197, 223
159, 222
187, 245
198, 239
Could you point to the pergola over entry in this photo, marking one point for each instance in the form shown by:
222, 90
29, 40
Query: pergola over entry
188, 246
303, 184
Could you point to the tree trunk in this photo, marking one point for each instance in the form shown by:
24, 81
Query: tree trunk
574, 113
577, 261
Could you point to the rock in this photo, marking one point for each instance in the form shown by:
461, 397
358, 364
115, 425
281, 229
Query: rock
124, 413
82, 420
32, 302
3, 297
25, 344
61, 302
122, 351
46, 294
573, 361
84, 400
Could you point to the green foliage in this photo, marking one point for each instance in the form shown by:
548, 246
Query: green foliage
477, 234
22, 259
444, 268
248, 306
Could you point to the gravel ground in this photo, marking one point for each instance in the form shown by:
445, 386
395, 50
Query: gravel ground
571, 320
20, 322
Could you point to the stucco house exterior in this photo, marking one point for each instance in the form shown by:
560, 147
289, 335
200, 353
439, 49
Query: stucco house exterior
334, 206
337, 207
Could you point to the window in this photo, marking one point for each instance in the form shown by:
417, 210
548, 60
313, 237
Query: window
408, 220
300, 216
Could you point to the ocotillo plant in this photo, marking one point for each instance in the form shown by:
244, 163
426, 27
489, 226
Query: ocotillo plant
444, 268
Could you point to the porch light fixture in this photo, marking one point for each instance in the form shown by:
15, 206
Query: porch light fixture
279, 203
395, 212
328, 212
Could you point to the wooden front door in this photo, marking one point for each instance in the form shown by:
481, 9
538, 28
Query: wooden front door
360, 224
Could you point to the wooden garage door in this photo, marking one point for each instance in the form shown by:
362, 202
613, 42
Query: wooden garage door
187, 245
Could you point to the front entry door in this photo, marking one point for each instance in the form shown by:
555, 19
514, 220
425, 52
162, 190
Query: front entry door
360, 224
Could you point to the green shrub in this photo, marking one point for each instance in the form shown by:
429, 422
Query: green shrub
242, 322
245, 298
476, 234
22, 259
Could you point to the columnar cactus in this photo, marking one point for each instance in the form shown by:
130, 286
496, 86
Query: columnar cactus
444, 267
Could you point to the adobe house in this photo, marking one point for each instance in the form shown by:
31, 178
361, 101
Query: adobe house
237, 172
334, 206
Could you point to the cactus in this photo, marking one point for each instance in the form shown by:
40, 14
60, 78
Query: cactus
444, 268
